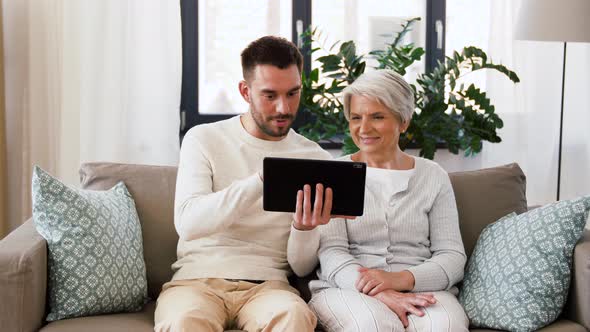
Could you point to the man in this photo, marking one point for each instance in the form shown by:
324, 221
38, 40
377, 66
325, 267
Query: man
233, 257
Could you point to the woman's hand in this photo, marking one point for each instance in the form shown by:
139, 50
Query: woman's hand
403, 304
374, 281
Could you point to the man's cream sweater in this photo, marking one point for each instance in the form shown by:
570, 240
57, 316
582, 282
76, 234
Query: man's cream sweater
224, 232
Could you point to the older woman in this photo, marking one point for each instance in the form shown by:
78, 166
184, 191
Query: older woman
396, 266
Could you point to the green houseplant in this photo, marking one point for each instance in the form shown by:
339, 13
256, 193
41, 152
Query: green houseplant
447, 113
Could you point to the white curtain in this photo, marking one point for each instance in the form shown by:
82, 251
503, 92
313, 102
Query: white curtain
88, 81
531, 109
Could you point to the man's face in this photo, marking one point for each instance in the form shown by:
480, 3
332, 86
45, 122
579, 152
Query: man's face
273, 95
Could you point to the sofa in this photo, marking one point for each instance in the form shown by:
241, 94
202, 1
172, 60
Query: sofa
482, 197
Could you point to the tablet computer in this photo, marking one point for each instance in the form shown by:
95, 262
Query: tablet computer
283, 177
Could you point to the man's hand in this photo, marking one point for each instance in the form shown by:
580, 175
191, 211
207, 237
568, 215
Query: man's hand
403, 304
305, 218
374, 281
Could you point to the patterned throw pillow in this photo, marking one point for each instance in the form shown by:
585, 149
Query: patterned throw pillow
518, 276
95, 249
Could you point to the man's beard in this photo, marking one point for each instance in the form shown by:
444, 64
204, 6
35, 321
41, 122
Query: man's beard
264, 124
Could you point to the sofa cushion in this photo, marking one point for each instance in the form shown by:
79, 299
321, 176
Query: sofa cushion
95, 250
152, 188
561, 325
142, 321
485, 195
519, 274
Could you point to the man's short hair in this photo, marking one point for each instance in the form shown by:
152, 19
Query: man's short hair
270, 50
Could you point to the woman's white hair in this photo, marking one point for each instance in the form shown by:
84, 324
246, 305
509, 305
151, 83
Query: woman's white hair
387, 87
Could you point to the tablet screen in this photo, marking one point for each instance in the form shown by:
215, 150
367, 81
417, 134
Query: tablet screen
283, 177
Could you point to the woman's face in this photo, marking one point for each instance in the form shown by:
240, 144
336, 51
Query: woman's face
374, 128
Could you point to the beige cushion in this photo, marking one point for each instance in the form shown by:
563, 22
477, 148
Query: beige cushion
578, 307
483, 196
152, 188
142, 321
557, 326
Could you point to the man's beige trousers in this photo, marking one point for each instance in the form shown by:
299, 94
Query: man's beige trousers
218, 304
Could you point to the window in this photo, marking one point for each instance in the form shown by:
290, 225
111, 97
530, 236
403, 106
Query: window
371, 24
460, 31
215, 31
225, 29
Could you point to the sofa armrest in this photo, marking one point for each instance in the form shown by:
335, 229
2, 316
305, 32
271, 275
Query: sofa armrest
23, 279
578, 307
